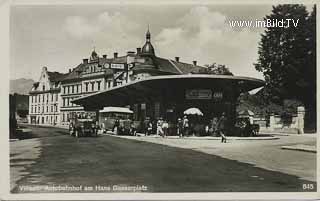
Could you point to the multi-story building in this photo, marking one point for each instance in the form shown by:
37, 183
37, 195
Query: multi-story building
44, 98
97, 74
92, 75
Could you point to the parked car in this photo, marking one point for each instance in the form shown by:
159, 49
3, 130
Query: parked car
245, 129
83, 127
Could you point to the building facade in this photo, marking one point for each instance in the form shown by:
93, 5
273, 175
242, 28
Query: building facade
51, 99
44, 99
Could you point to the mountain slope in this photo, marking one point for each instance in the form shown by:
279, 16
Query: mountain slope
21, 86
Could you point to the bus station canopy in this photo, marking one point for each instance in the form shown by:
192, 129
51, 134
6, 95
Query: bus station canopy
155, 88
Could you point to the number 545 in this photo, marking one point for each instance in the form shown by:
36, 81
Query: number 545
307, 186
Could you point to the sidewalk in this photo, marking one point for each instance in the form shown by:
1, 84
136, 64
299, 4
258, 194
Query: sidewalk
45, 125
198, 138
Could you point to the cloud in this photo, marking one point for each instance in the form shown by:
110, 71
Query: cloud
200, 34
205, 36
108, 31
79, 27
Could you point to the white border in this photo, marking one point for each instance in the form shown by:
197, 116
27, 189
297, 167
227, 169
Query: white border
4, 91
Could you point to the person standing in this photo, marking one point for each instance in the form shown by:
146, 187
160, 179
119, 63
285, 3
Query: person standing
185, 126
165, 127
159, 127
146, 125
222, 128
116, 126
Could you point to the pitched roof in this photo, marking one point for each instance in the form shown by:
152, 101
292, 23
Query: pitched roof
55, 76
175, 67
82, 66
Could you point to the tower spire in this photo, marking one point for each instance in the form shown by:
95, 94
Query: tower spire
148, 35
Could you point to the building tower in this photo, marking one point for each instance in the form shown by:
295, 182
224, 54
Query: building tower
147, 48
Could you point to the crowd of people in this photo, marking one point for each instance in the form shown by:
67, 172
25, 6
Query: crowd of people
183, 127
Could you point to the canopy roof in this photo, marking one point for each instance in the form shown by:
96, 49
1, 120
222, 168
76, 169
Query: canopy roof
156, 88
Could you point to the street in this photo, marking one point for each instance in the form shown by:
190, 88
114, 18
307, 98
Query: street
161, 165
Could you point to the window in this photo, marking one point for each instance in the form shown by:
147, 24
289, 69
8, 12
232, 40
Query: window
64, 90
87, 83
76, 88
39, 98
63, 102
43, 88
72, 87
56, 108
52, 97
56, 97
39, 109
42, 109
47, 98
43, 98
47, 109
109, 84
98, 83
92, 86
51, 108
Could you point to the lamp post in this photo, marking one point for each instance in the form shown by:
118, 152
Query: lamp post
54, 113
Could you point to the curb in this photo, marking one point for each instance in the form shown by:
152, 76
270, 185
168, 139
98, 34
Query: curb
299, 149
198, 138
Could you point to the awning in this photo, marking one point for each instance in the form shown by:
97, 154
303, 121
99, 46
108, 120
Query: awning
169, 87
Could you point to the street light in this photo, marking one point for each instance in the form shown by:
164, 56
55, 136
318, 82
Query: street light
54, 113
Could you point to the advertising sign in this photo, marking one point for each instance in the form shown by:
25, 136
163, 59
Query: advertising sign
198, 94
117, 66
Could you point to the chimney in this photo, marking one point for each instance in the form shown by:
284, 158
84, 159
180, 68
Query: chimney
85, 61
70, 70
115, 55
138, 50
177, 59
104, 56
194, 63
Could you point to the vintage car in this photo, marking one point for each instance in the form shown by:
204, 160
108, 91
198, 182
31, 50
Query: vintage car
83, 127
244, 128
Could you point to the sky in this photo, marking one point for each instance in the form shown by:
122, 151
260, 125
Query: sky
59, 37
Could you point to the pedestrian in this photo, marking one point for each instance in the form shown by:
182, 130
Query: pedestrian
116, 126
165, 127
213, 126
159, 126
180, 127
185, 126
149, 129
222, 128
133, 128
146, 125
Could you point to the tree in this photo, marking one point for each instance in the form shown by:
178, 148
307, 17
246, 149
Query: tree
215, 69
287, 56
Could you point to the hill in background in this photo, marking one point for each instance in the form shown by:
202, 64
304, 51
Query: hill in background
20, 86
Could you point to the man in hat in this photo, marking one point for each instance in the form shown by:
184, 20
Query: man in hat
222, 127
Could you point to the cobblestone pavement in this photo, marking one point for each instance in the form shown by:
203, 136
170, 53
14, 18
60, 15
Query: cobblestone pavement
266, 154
